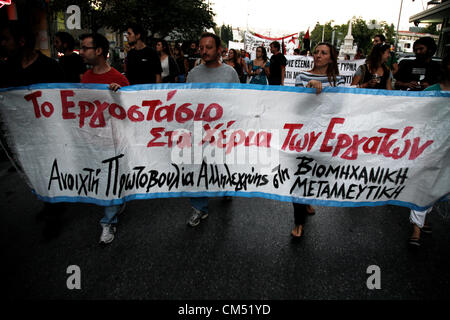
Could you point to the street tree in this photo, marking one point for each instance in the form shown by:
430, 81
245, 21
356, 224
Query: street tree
362, 34
185, 18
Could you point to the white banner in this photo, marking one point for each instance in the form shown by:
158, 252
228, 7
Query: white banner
296, 64
347, 69
252, 41
344, 147
235, 45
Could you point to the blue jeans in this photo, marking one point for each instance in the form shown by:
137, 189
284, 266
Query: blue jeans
110, 215
200, 203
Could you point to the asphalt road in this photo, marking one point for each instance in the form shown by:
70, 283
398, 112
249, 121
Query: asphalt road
242, 251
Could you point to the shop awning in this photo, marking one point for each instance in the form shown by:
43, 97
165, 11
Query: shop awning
434, 14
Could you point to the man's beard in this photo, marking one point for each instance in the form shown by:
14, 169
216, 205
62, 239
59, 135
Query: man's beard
421, 57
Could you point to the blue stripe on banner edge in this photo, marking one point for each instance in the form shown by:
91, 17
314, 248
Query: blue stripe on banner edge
239, 86
317, 202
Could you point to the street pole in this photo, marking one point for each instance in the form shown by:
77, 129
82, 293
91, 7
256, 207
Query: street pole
323, 32
247, 15
398, 24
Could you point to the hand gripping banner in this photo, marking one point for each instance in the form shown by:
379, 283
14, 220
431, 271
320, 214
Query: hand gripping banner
344, 147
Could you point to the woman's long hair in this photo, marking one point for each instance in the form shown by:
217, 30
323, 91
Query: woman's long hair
374, 58
264, 53
178, 49
332, 68
165, 47
235, 57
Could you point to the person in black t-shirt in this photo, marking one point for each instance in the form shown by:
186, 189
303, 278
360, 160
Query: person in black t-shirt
193, 55
142, 63
182, 63
422, 72
277, 65
25, 66
71, 63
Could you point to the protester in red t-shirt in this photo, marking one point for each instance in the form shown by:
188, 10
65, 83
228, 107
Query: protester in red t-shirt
94, 51
112, 76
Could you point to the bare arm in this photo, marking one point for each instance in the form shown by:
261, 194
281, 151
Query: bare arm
372, 83
356, 80
283, 71
389, 84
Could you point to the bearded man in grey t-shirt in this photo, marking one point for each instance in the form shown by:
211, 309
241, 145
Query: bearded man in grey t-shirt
211, 70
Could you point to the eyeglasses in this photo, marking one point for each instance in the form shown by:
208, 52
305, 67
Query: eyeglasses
87, 48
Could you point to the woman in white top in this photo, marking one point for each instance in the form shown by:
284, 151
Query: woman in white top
169, 66
325, 73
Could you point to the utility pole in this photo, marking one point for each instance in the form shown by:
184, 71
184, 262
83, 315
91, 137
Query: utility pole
398, 24
248, 14
323, 32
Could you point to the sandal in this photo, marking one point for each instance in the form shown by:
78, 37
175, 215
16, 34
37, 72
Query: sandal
297, 229
426, 229
415, 242
310, 209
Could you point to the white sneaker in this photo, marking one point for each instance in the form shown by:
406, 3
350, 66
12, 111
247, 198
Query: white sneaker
107, 233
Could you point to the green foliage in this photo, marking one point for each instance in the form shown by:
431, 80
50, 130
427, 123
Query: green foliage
188, 18
316, 34
226, 33
362, 34
431, 28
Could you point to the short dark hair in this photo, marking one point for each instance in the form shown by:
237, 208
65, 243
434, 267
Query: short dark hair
276, 44
66, 38
297, 50
427, 42
382, 37
20, 30
138, 29
98, 41
214, 36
